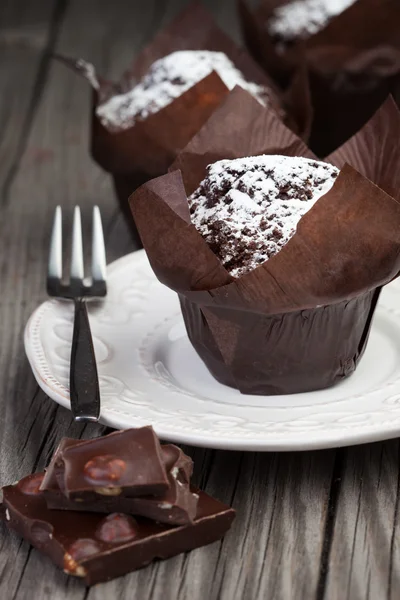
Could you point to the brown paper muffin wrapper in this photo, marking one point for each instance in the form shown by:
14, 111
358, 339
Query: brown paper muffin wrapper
354, 63
301, 320
147, 148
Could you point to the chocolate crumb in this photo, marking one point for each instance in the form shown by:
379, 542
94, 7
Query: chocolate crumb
247, 209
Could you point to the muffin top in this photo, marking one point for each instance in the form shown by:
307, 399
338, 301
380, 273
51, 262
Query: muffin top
247, 209
302, 18
167, 79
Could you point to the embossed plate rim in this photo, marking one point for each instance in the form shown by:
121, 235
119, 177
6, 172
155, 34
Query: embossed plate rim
228, 436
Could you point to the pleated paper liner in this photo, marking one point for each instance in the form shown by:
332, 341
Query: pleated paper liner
301, 320
148, 147
354, 63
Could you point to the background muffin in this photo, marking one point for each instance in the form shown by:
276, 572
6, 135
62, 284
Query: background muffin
175, 83
351, 50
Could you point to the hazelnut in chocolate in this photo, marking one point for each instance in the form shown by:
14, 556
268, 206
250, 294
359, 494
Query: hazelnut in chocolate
124, 463
176, 506
98, 547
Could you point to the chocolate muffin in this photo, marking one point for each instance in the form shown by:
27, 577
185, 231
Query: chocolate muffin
300, 19
350, 50
167, 79
247, 209
300, 321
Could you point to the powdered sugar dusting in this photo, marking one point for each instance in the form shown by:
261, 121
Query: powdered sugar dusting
303, 18
167, 79
247, 209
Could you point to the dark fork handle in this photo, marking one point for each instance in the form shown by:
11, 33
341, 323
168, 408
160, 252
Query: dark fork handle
83, 379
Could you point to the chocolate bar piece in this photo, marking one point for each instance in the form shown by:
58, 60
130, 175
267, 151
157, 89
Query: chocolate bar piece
98, 547
124, 463
176, 506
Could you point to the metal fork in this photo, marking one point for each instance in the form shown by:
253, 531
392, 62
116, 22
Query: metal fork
83, 378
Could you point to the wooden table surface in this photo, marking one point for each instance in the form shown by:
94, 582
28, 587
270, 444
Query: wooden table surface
313, 525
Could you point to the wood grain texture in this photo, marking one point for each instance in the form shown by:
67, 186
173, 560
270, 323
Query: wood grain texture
317, 525
365, 548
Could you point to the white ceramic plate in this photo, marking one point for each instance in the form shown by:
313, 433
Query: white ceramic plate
150, 374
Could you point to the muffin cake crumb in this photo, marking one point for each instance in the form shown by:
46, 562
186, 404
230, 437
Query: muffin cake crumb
247, 209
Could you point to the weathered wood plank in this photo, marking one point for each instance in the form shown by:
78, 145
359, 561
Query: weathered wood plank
364, 558
51, 166
226, 17
27, 31
275, 546
284, 543
27, 34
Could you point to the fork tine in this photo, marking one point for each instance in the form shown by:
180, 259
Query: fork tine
77, 271
98, 248
55, 256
